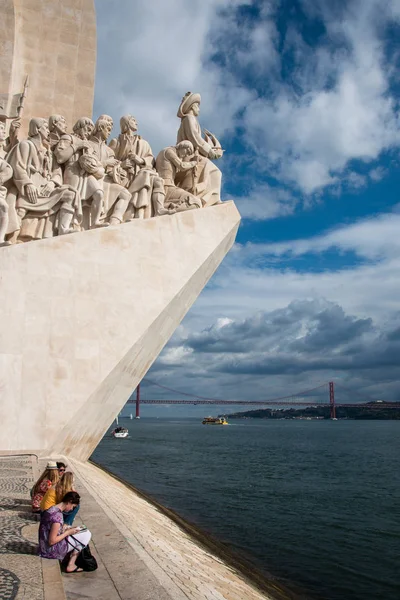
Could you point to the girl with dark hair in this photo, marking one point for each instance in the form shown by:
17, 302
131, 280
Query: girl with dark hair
54, 540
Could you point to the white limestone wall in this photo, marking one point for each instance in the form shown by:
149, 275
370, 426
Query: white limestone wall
84, 316
54, 42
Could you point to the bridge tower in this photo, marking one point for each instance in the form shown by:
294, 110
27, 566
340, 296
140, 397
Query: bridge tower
137, 416
332, 400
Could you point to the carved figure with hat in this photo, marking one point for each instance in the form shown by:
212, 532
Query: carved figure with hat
204, 180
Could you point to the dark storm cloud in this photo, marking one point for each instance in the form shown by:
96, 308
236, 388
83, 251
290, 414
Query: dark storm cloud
302, 344
303, 326
394, 335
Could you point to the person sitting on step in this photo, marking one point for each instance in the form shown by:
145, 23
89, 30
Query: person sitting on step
48, 478
57, 540
56, 493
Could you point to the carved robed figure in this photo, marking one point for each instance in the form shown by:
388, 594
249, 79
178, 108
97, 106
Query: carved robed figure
137, 160
44, 202
116, 196
83, 171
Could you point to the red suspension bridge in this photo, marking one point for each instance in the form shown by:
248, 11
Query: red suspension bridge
319, 396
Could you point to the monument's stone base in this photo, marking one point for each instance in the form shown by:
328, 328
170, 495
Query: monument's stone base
83, 317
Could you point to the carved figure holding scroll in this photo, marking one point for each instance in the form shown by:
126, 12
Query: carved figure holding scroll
169, 162
44, 204
116, 197
137, 160
83, 171
205, 180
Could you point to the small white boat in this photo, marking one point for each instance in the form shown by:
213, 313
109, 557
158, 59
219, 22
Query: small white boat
120, 432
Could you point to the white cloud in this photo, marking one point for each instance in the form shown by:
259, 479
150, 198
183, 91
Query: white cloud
150, 54
175, 355
378, 173
335, 106
265, 202
263, 277
342, 108
373, 238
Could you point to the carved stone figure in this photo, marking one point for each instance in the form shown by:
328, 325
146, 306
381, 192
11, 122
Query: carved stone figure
57, 127
205, 180
169, 162
83, 128
5, 175
3, 139
8, 142
116, 197
83, 171
10, 223
137, 160
44, 204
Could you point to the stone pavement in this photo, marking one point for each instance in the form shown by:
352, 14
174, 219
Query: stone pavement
23, 575
144, 555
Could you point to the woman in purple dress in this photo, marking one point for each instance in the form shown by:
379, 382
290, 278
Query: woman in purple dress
53, 534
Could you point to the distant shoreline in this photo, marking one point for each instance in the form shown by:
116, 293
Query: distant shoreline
372, 411
241, 565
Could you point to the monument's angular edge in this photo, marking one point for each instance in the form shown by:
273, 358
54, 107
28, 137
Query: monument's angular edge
86, 427
86, 315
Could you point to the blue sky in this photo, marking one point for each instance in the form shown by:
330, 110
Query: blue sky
303, 95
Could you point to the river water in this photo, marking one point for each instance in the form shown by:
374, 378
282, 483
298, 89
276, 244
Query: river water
314, 503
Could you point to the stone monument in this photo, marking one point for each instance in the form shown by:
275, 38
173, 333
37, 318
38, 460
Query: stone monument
103, 247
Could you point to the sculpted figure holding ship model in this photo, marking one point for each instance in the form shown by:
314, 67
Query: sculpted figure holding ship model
205, 181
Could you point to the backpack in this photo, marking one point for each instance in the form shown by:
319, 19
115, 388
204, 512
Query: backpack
85, 559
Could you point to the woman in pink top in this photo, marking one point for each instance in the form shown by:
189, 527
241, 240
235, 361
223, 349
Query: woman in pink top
48, 478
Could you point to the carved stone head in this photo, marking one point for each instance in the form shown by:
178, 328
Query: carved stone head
184, 149
195, 109
57, 124
83, 128
39, 127
128, 123
103, 127
189, 101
